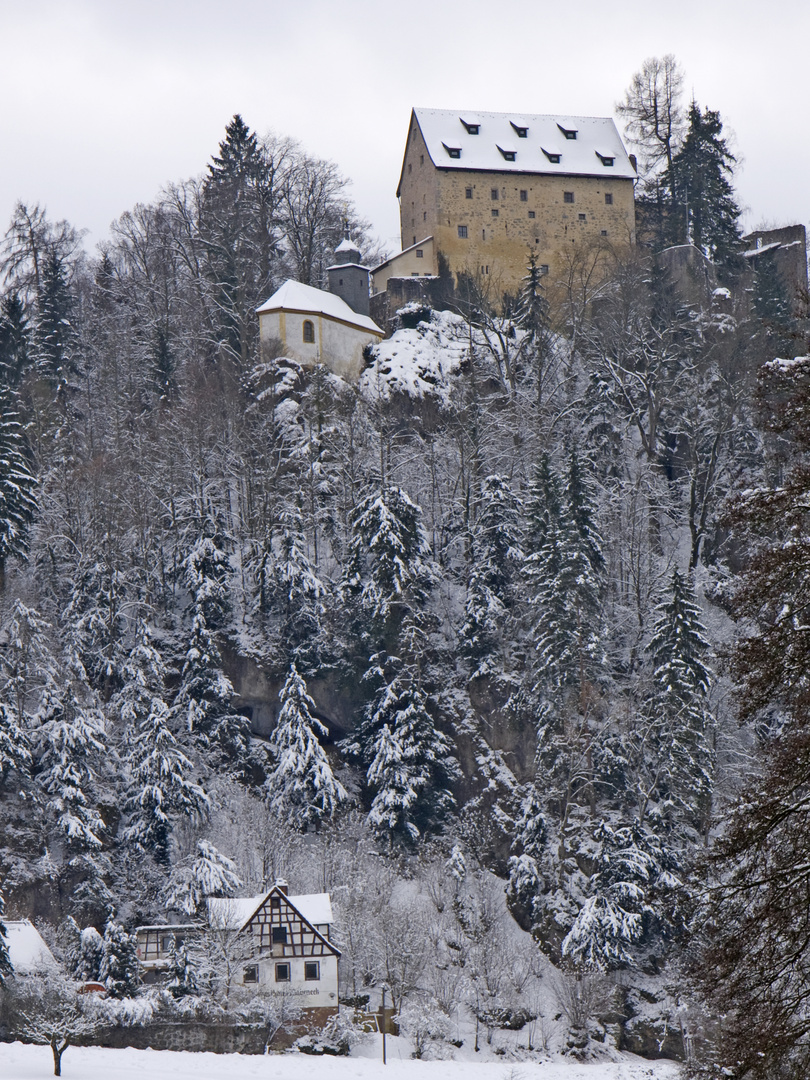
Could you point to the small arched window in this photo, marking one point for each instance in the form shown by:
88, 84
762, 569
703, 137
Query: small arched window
309, 332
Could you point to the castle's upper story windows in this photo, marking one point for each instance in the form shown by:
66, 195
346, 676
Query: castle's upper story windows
606, 159
508, 153
568, 132
521, 130
452, 151
608, 198
568, 196
552, 153
468, 193
472, 127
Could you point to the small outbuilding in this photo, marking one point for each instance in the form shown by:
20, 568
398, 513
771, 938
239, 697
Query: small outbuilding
317, 327
28, 953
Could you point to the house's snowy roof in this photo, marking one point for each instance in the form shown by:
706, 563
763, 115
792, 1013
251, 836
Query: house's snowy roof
293, 296
597, 141
27, 951
753, 252
234, 913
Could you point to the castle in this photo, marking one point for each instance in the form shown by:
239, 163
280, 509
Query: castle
481, 191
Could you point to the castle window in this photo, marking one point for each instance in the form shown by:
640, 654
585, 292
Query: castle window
421, 159
543, 268
582, 217
282, 972
608, 198
521, 131
494, 194
468, 193
568, 196
279, 935
494, 213
251, 974
452, 151
569, 133
508, 153
606, 159
312, 970
309, 339
419, 253
471, 126
424, 218
524, 195
462, 232
554, 156
604, 232
532, 214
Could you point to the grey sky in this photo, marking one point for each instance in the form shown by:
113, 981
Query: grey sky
103, 102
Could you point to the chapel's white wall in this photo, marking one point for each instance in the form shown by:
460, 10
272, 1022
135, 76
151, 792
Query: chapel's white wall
336, 345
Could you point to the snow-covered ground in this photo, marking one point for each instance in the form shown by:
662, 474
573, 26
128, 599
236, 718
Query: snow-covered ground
18, 1062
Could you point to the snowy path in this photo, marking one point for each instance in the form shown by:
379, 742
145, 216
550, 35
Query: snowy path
18, 1062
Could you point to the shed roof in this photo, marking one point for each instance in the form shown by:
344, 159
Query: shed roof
294, 296
27, 951
597, 140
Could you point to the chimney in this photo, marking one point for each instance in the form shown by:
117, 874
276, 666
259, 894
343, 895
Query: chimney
282, 886
633, 162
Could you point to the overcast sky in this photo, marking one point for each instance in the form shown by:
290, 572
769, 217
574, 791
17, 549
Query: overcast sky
105, 101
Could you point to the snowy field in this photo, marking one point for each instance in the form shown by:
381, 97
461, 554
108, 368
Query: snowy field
18, 1062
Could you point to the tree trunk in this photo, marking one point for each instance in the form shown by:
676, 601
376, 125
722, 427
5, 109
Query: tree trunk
57, 1055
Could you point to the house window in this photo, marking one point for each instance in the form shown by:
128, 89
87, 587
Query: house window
251, 974
279, 936
608, 198
604, 232
568, 196
532, 214
524, 195
582, 217
494, 213
419, 253
543, 268
275, 902
309, 337
494, 194
282, 972
312, 970
468, 193
462, 232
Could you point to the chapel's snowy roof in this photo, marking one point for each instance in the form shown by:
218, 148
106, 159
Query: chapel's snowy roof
346, 245
234, 913
585, 145
27, 951
293, 296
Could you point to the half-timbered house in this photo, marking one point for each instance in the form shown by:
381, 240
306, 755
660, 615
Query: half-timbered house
290, 952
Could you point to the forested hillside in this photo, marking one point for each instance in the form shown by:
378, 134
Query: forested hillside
260, 622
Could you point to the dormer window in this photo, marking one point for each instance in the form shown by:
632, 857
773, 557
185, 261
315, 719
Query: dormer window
553, 155
509, 153
452, 151
569, 133
606, 159
520, 130
472, 126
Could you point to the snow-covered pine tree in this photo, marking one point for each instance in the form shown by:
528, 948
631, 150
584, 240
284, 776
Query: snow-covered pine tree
6, 968
119, 969
302, 788
15, 751
54, 334
96, 617
90, 956
298, 593
496, 556
160, 787
181, 973
389, 570
412, 764
630, 865
71, 741
15, 342
677, 756
18, 483
203, 700
210, 873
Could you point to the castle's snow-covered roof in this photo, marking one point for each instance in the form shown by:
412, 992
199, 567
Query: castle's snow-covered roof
521, 143
293, 296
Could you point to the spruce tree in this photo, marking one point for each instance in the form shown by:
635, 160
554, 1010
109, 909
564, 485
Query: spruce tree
209, 873
301, 788
18, 484
6, 969
119, 969
15, 343
181, 974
